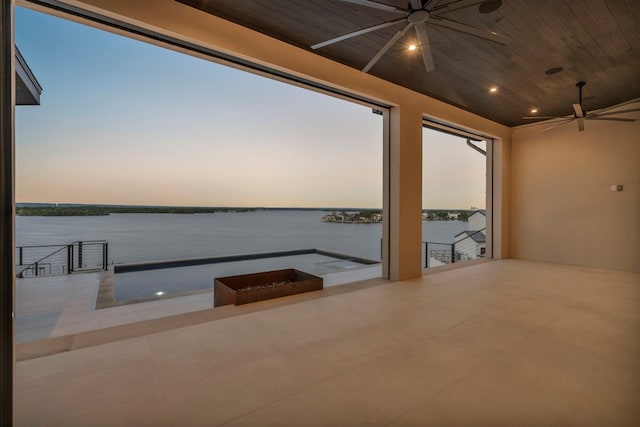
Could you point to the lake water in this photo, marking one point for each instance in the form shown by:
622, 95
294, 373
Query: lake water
156, 237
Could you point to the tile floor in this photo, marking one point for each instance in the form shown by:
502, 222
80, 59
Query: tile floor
502, 343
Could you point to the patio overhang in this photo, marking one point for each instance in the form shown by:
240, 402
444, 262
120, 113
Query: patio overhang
28, 89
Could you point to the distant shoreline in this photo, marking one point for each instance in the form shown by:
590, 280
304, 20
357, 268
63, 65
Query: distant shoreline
104, 210
340, 215
360, 217
108, 210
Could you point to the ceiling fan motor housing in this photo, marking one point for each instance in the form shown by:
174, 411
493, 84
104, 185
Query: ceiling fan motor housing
418, 16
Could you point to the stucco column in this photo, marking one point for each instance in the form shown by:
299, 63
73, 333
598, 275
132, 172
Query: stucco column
405, 192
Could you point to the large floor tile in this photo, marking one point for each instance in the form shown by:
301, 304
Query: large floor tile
146, 410
185, 354
47, 403
62, 367
492, 396
331, 403
608, 335
412, 373
234, 391
610, 397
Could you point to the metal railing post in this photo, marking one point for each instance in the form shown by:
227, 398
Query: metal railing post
105, 256
69, 259
79, 255
426, 254
453, 253
20, 255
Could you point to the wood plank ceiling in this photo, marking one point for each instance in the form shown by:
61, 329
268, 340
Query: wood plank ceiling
597, 41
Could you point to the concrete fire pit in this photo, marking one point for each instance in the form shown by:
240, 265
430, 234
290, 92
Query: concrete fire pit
248, 288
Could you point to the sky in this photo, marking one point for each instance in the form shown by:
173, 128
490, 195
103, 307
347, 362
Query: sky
125, 122
453, 174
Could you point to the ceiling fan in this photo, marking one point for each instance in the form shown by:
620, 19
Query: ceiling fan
417, 15
580, 114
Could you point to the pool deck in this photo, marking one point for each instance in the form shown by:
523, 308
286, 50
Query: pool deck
61, 306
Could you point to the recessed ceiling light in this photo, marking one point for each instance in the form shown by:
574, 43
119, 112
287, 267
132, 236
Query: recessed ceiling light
160, 293
554, 70
534, 110
412, 47
493, 89
490, 6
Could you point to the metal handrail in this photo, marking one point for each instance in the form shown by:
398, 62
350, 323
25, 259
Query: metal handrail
452, 245
66, 244
69, 259
467, 237
34, 265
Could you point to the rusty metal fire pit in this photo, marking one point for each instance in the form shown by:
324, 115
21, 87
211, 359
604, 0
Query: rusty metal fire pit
254, 287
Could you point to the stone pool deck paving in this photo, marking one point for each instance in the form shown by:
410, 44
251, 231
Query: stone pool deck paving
58, 313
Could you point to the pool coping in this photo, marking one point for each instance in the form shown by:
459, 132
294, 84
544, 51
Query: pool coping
176, 263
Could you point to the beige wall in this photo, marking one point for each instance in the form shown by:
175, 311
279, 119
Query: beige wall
562, 208
183, 22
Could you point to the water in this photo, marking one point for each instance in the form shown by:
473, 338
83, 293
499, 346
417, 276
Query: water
156, 237
172, 281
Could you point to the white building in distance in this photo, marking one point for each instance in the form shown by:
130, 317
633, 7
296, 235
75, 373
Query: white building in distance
471, 243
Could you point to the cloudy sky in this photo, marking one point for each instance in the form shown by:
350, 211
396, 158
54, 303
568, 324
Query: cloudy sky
124, 122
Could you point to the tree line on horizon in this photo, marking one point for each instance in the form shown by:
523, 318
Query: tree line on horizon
106, 210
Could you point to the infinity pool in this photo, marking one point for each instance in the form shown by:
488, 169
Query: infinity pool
175, 281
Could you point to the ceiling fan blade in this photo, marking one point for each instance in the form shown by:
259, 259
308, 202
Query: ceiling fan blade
416, 4
604, 110
578, 110
580, 124
554, 126
376, 5
386, 47
611, 119
463, 28
425, 47
543, 118
456, 5
358, 33
596, 114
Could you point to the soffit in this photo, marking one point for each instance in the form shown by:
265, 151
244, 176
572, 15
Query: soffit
595, 41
